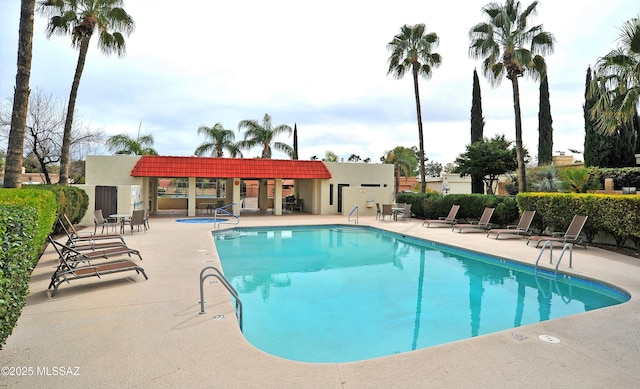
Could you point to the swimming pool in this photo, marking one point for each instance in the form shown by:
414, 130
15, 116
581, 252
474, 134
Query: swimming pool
341, 293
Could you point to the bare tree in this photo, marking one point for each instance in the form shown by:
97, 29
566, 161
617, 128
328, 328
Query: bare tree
44, 131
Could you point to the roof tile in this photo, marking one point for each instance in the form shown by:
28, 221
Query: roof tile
207, 167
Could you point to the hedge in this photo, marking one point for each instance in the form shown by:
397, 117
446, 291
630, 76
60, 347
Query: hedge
616, 215
26, 218
434, 205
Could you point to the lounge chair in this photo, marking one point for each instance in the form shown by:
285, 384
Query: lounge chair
100, 220
69, 270
522, 229
572, 235
76, 236
481, 225
75, 255
448, 221
89, 243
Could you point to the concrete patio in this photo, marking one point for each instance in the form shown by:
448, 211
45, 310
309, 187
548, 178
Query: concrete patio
124, 332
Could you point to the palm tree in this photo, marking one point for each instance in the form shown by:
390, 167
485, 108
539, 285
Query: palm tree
617, 81
125, 145
80, 19
263, 135
501, 41
411, 50
218, 140
15, 147
404, 164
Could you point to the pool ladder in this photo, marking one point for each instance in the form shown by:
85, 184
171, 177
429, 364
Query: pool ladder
218, 274
223, 211
564, 248
354, 210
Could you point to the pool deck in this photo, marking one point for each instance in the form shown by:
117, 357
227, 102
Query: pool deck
124, 332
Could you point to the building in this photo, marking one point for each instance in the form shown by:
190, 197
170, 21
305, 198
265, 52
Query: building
121, 183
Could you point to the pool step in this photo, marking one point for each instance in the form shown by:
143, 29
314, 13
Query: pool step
225, 235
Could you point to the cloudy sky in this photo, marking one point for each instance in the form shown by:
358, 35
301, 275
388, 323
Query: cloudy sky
321, 65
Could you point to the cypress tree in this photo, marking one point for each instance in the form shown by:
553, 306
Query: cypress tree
545, 125
591, 136
477, 129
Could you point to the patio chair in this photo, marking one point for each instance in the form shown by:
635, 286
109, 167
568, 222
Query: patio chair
378, 211
449, 220
406, 213
100, 220
481, 225
68, 269
298, 205
136, 220
387, 210
572, 235
522, 229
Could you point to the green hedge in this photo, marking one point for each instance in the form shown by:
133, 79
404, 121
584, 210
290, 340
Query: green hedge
435, 205
26, 218
616, 215
72, 201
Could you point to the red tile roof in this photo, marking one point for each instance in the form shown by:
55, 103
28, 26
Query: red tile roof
206, 167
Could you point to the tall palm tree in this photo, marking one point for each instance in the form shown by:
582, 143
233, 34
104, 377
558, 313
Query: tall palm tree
617, 81
15, 147
80, 19
411, 50
125, 145
263, 135
511, 48
218, 140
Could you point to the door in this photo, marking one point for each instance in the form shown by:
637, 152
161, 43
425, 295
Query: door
107, 199
340, 186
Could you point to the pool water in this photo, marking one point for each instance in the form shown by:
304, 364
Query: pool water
201, 220
341, 293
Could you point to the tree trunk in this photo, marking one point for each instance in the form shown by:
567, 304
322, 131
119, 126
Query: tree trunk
420, 134
15, 149
68, 123
522, 179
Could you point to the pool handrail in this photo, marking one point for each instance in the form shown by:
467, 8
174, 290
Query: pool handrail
223, 211
218, 274
355, 209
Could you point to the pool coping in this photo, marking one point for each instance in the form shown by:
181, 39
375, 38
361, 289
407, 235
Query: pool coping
127, 332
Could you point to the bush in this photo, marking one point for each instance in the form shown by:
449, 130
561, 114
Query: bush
26, 218
71, 200
434, 205
616, 215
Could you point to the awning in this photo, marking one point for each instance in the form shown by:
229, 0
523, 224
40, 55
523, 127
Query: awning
247, 168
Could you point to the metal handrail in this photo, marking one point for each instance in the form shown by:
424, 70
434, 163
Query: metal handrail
355, 209
218, 274
544, 246
564, 248
223, 211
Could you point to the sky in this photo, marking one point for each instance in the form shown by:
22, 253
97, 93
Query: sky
321, 66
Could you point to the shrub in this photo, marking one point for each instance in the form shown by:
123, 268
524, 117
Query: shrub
26, 218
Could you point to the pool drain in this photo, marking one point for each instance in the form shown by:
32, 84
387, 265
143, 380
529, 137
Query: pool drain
549, 339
